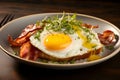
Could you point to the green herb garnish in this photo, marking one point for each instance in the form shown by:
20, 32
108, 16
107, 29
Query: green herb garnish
72, 61
62, 24
109, 47
37, 35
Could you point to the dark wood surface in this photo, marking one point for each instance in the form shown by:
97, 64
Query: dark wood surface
108, 10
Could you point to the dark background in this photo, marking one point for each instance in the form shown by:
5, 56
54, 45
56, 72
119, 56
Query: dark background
96, 8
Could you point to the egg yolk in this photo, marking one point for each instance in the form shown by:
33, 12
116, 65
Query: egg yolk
93, 56
57, 41
86, 44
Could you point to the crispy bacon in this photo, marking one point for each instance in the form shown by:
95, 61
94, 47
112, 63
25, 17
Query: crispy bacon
107, 37
24, 36
20, 40
29, 52
29, 28
89, 26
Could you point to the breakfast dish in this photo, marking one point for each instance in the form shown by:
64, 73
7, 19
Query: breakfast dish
63, 39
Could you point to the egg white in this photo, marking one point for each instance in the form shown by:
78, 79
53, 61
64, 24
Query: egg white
74, 49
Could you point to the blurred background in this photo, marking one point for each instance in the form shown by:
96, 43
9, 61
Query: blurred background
106, 9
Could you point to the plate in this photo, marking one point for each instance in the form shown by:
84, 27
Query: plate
15, 27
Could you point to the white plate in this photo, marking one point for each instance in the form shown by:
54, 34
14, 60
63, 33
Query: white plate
15, 27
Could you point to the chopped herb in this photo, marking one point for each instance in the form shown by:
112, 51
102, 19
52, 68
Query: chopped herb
109, 47
37, 35
116, 37
89, 38
38, 23
81, 49
56, 62
94, 46
61, 62
72, 61
62, 24
85, 29
16, 51
42, 60
90, 35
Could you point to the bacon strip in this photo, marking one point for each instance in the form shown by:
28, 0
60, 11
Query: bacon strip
28, 29
24, 36
29, 52
107, 37
89, 26
20, 40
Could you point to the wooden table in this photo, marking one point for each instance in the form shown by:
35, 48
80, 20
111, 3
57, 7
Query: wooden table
108, 10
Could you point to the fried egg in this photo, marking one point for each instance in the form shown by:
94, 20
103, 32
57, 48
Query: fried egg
61, 45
